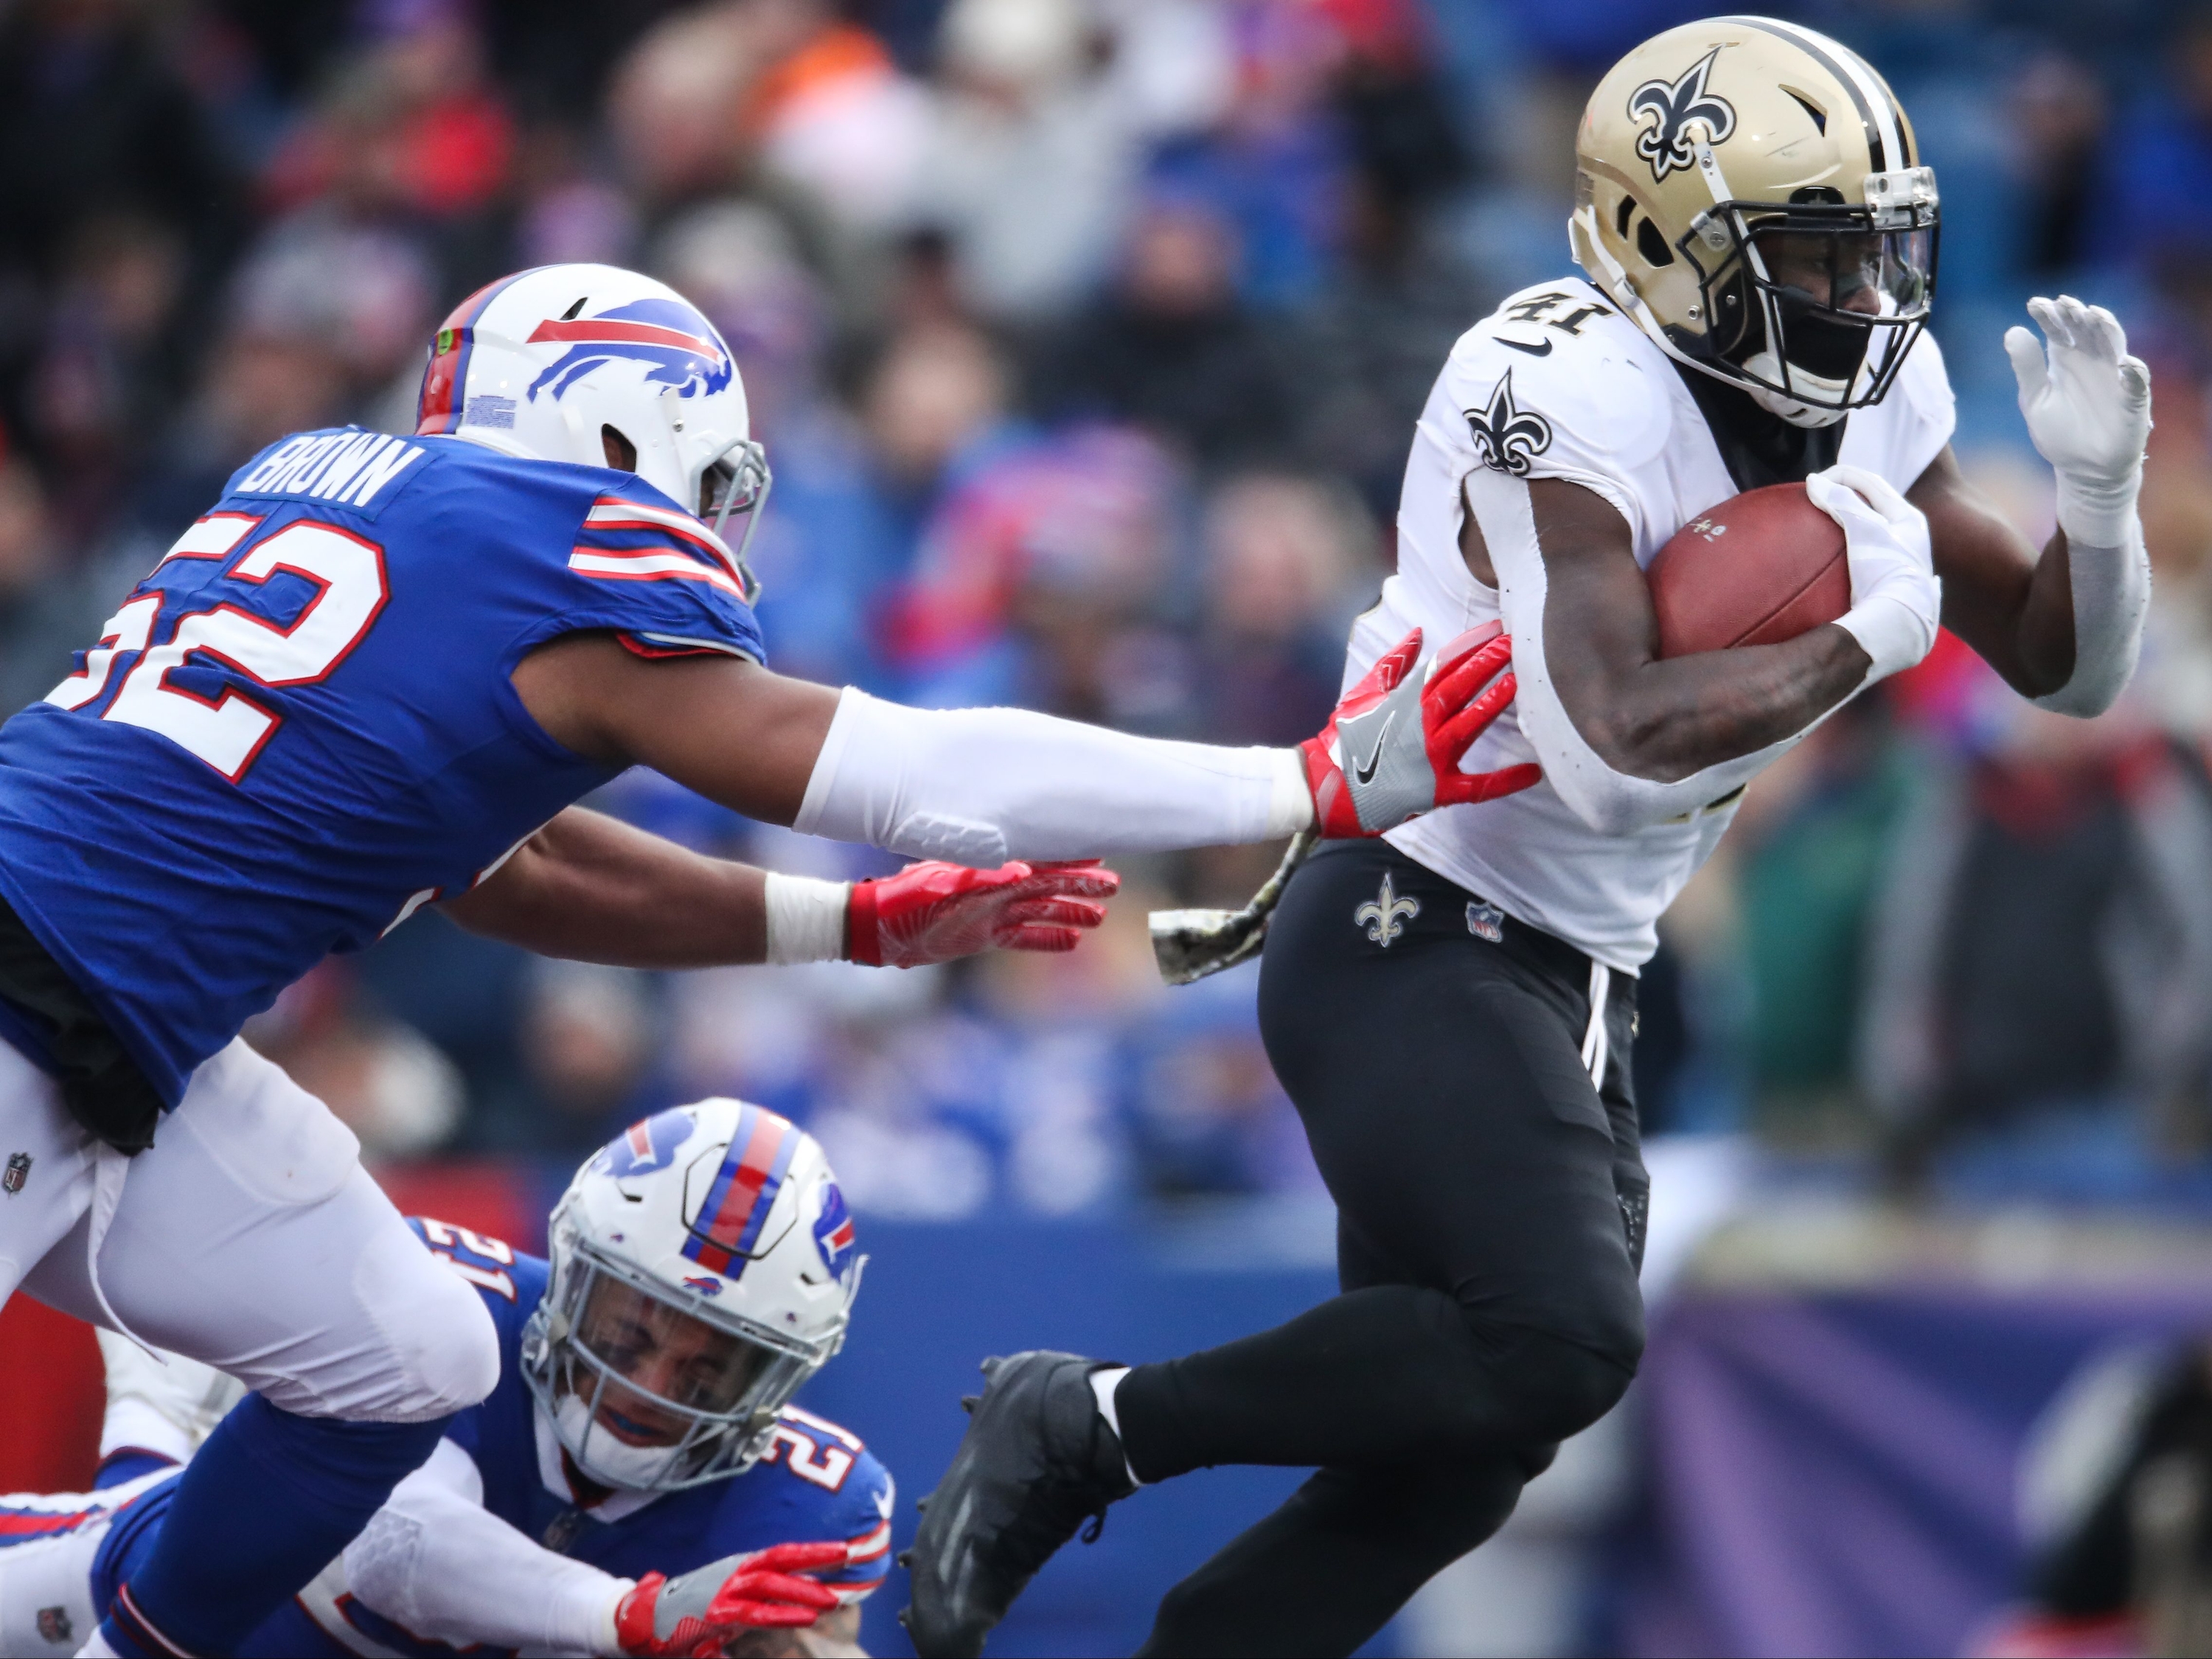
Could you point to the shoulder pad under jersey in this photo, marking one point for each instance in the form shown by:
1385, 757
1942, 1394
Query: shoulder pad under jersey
1556, 383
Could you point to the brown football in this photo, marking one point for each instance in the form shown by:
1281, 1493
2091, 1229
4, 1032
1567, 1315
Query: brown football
1761, 567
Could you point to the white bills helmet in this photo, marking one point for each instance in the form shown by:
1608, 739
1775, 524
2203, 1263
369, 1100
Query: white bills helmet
703, 1267
554, 362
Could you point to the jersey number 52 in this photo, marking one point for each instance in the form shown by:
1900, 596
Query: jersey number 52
228, 731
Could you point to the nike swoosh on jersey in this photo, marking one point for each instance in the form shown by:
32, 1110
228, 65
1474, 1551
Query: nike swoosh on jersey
1365, 774
1541, 349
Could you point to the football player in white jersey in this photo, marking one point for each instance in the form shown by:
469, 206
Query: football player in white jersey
1451, 1007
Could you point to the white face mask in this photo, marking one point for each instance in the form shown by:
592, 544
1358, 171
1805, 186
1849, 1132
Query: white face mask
605, 1457
1768, 366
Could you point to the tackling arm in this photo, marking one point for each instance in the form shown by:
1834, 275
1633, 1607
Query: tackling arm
980, 784
591, 888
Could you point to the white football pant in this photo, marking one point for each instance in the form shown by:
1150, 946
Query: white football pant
248, 1238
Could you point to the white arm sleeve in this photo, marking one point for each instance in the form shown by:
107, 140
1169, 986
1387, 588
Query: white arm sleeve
1611, 802
980, 785
434, 1560
2111, 599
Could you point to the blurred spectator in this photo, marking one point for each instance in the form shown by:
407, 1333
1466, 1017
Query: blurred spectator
393, 1089
2158, 188
2060, 113
1808, 847
1174, 348
94, 120
590, 1041
1031, 159
1208, 1117
1040, 579
44, 615
110, 369
1288, 563
258, 386
1273, 165
2042, 961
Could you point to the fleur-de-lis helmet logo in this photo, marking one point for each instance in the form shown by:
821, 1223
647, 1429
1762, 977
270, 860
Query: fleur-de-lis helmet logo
1507, 437
1672, 108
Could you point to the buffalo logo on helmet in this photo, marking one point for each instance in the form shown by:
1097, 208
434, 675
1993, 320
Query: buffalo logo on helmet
647, 1146
833, 1231
1672, 108
678, 343
1507, 437
704, 1286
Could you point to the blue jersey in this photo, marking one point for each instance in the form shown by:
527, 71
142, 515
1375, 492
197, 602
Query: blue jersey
815, 1483
300, 728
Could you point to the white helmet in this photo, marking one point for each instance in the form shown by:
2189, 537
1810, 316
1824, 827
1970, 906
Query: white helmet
703, 1268
546, 362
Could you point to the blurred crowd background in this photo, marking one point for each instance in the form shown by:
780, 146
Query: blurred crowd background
1085, 338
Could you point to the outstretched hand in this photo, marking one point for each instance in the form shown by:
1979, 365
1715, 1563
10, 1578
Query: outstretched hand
2086, 403
935, 912
700, 1611
1392, 749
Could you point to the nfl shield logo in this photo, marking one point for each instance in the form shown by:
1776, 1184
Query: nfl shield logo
54, 1622
19, 1171
1486, 920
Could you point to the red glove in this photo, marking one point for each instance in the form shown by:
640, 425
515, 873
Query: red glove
1391, 751
699, 1611
934, 911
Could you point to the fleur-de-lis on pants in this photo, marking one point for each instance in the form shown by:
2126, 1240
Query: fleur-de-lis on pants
1385, 915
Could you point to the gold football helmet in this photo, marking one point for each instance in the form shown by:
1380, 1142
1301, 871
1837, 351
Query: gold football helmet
1750, 193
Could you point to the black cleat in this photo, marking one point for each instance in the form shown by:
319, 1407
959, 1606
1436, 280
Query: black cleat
1038, 1460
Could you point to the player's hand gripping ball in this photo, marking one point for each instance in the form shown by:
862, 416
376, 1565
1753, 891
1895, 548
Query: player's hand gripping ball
935, 912
701, 1611
1392, 749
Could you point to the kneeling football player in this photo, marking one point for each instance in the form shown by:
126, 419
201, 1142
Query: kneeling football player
638, 1482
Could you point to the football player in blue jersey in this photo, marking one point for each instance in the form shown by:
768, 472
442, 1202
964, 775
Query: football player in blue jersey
637, 1482
375, 676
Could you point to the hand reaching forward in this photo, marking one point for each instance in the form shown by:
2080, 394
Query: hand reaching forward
2088, 408
1391, 751
935, 912
700, 1611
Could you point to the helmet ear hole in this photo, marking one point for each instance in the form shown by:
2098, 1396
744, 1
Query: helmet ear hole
1621, 214
1653, 245
622, 453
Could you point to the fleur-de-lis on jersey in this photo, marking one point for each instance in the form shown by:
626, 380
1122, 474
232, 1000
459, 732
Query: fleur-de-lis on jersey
1385, 915
1507, 437
1672, 108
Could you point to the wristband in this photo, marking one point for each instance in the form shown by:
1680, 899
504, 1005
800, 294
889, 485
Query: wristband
806, 919
2099, 512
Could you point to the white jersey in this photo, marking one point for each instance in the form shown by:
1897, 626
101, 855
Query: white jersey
1557, 384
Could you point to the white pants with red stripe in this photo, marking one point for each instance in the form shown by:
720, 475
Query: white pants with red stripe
248, 1238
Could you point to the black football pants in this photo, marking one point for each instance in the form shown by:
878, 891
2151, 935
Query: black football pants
1491, 1201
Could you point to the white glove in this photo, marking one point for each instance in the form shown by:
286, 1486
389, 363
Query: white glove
2088, 412
1896, 600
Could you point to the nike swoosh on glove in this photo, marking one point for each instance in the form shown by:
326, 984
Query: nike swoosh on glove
1391, 751
2087, 409
1897, 600
699, 1611
935, 912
